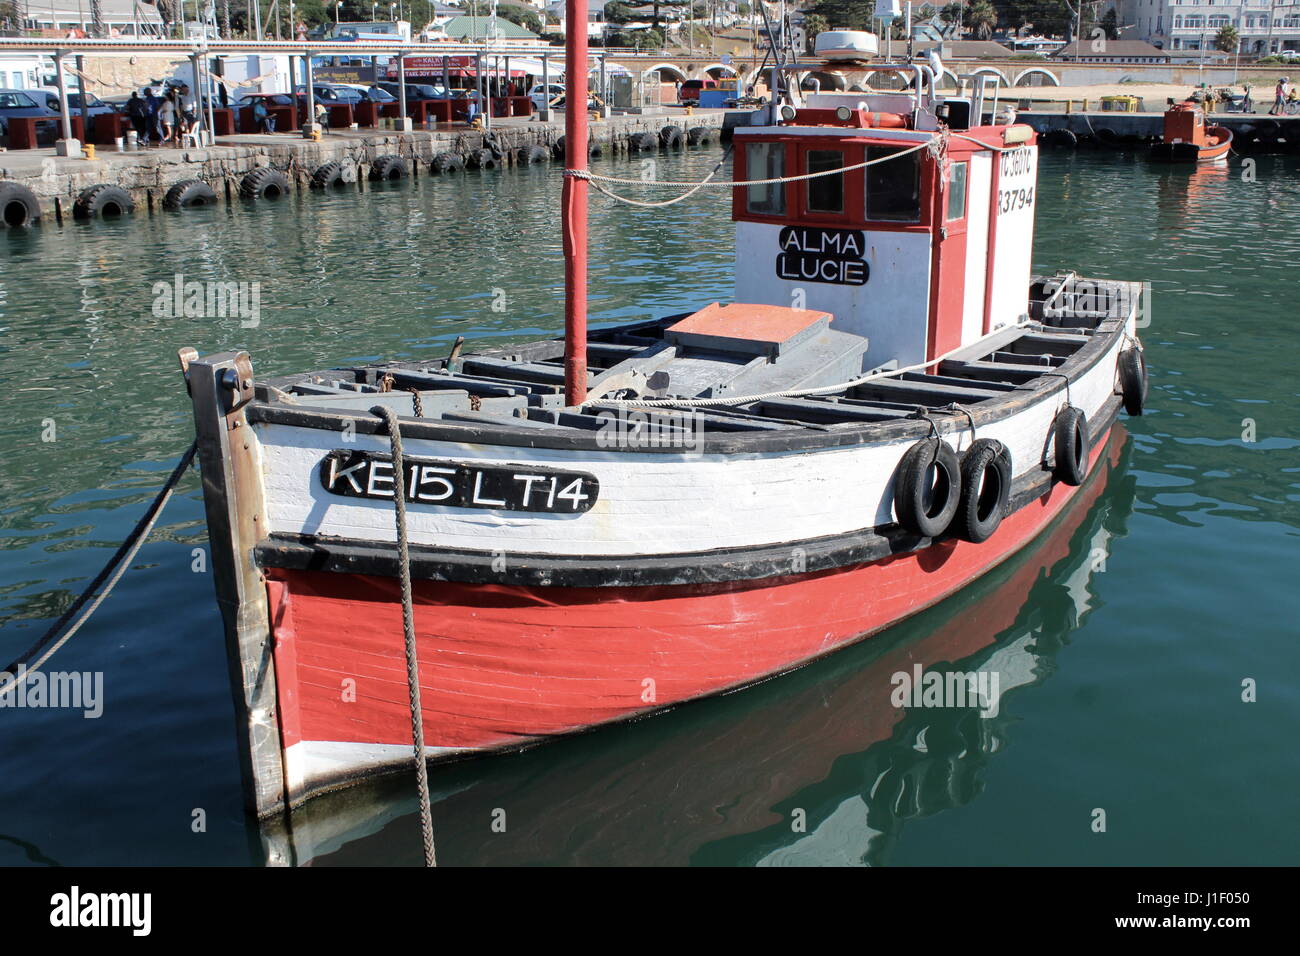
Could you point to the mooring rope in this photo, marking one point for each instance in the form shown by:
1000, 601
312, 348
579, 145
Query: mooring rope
595, 178
408, 626
116, 567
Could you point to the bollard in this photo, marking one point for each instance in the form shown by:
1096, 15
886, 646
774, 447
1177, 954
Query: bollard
88, 151
132, 141
119, 144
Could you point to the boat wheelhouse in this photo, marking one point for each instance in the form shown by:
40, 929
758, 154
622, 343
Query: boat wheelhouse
1189, 138
606, 525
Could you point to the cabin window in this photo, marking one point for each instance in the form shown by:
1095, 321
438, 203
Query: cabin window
825, 193
893, 187
957, 191
765, 161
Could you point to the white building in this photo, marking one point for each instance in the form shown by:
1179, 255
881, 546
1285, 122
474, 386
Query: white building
121, 17
1265, 26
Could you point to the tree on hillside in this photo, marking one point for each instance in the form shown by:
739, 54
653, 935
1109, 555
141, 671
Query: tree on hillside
844, 14
813, 24
1227, 39
616, 12
983, 18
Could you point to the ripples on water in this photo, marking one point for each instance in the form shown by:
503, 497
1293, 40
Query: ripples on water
1132, 694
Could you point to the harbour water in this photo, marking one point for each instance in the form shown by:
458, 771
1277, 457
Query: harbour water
1127, 636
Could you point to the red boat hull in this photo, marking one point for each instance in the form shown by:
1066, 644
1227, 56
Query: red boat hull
502, 666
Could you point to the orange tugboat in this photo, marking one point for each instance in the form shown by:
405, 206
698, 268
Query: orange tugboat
1189, 139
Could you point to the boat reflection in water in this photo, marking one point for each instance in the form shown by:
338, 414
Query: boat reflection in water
717, 781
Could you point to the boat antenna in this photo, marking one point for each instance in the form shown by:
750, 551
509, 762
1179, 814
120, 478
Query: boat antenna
574, 203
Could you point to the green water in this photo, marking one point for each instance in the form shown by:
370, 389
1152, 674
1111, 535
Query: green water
1130, 631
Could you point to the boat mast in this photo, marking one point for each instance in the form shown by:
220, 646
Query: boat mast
574, 203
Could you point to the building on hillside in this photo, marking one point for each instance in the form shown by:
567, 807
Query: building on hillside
1264, 26
122, 18
480, 28
1111, 51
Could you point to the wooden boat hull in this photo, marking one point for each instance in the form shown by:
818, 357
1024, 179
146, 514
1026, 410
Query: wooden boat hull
1192, 153
505, 666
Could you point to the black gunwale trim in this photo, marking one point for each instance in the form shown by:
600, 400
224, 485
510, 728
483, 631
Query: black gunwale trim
720, 568
757, 442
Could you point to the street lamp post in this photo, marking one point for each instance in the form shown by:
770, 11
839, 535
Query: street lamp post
338, 12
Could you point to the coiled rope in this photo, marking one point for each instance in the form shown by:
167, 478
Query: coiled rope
111, 572
408, 626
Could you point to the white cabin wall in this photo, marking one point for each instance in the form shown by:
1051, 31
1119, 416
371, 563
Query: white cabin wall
979, 187
891, 308
1013, 235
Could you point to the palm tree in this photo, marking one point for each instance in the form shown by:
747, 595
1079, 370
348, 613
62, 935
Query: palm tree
983, 18
1227, 39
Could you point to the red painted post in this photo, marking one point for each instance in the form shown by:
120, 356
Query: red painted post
574, 204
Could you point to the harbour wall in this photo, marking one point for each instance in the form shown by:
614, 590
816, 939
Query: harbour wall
148, 174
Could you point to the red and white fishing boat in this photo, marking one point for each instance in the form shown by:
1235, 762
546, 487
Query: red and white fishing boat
608, 524
1189, 138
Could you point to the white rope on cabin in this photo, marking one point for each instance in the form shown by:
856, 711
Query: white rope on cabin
799, 392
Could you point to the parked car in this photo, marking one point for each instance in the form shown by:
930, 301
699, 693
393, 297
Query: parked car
331, 93
416, 91
270, 99
15, 103
690, 92
540, 94
94, 105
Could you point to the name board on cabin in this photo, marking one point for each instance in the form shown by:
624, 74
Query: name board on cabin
812, 254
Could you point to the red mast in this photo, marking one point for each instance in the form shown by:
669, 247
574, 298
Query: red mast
574, 203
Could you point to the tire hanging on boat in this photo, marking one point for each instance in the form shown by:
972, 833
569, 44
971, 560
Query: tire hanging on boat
191, 192
103, 200
18, 206
264, 183
927, 487
1072, 446
985, 489
1133, 381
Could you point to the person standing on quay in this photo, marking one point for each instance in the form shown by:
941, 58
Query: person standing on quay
152, 103
138, 113
1280, 95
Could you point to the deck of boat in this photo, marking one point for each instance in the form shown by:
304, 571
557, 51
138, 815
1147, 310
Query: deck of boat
522, 387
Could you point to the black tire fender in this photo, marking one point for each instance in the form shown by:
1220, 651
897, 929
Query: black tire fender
483, 159
528, 155
699, 135
927, 487
1070, 435
985, 489
103, 199
329, 176
18, 206
446, 162
670, 137
642, 142
388, 169
191, 192
264, 183
1133, 381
